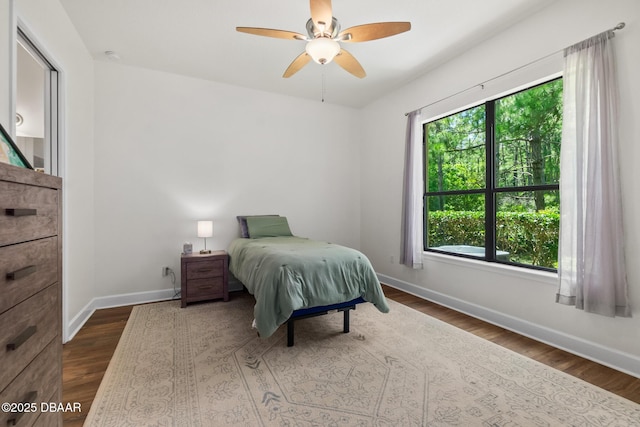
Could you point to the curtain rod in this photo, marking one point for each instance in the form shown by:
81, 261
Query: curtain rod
620, 26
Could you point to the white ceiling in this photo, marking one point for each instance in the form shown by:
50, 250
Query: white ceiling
198, 38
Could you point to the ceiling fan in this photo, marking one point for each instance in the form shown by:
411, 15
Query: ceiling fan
323, 36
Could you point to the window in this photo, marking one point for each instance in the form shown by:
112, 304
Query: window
492, 178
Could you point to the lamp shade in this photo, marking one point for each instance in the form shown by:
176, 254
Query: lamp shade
205, 228
322, 49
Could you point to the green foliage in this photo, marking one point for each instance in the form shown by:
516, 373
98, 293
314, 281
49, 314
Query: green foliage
455, 157
455, 228
528, 134
529, 237
528, 129
458, 202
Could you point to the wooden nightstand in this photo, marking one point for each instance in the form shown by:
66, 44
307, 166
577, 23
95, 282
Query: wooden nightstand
204, 277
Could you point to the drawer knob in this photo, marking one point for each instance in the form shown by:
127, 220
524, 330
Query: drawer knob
15, 416
22, 338
21, 212
23, 272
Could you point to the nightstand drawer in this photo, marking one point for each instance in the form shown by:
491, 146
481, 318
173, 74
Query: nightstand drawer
26, 269
204, 269
27, 212
28, 328
212, 288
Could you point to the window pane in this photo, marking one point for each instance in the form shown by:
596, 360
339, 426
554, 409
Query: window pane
528, 132
530, 236
455, 157
456, 223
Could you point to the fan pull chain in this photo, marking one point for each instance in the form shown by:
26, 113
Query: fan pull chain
323, 86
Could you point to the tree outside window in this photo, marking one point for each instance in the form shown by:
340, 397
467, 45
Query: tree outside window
491, 179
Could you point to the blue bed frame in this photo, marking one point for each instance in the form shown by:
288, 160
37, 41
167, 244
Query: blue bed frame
304, 313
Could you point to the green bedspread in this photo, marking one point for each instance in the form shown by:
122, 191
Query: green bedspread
289, 273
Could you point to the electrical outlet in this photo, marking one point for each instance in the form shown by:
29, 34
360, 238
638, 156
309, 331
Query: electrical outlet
165, 271
392, 259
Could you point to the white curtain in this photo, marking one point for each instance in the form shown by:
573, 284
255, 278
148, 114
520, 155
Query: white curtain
591, 264
412, 209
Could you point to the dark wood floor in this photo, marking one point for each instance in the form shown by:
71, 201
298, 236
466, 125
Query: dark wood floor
86, 357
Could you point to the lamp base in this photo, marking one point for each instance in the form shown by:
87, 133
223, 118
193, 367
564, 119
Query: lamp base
205, 251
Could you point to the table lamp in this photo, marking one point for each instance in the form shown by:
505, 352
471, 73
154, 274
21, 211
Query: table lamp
205, 229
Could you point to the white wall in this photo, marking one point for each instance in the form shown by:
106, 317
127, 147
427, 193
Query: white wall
520, 301
171, 150
49, 27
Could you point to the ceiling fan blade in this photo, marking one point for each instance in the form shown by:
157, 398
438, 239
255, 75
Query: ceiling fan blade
349, 63
297, 64
321, 14
378, 30
268, 32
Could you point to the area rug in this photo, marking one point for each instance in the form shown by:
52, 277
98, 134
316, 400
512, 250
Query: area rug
204, 366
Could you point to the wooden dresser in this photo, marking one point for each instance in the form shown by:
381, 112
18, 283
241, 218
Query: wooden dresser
30, 295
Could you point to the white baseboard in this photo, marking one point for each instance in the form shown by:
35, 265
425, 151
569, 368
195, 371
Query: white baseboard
114, 301
617, 360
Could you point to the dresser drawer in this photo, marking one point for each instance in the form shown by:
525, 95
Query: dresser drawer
205, 268
211, 288
49, 419
38, 383
26, 269
28, 328
27, 212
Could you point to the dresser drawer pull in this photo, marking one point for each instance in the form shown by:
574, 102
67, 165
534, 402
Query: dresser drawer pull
23, 272
22, 338
21, 212
15, 416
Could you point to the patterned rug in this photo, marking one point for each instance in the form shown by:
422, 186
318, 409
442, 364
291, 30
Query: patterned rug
204, 366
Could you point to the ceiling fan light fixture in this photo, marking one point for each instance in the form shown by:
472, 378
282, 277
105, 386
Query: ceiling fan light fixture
324, 35
323, 49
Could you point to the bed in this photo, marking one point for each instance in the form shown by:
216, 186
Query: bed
293, 277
